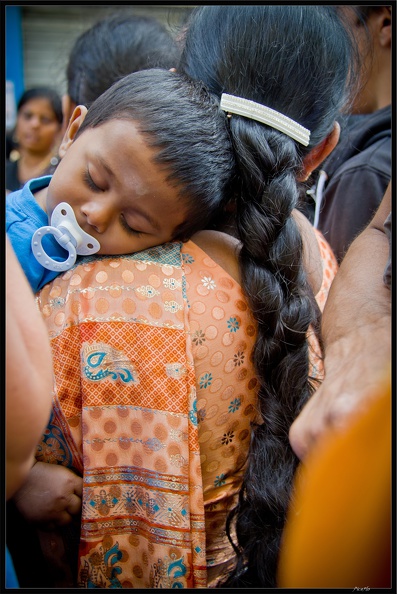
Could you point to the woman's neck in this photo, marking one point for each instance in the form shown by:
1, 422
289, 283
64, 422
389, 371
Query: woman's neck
31, 165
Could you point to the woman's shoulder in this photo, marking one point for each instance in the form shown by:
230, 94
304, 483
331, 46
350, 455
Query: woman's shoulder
221, 248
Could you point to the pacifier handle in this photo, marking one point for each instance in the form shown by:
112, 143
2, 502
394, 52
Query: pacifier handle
67, 232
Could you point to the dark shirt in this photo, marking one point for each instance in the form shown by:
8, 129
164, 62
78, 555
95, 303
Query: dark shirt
12, 180
358, 173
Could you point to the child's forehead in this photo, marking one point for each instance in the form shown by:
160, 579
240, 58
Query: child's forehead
125, 126
121, 141
119, 122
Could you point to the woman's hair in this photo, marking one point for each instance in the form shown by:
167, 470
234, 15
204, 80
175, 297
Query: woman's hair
182, 121
113, 47
43, 93
300, 61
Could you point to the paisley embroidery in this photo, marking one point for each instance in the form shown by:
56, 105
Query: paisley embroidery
172, 306
165, 572
100, 570
101, 361
175, 370
53, 447
147, 291
172, 284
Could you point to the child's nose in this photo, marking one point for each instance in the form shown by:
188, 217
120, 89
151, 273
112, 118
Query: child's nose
98, 215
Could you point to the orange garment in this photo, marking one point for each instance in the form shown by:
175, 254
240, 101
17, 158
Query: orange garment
222, 334
338, 532
330, 268
124, 416
154, 396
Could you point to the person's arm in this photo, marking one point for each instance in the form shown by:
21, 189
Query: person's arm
44, 493
28, 374
356, 329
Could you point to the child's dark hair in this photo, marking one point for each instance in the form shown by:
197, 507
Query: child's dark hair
299, 61
183, 122
51, 95
114, 47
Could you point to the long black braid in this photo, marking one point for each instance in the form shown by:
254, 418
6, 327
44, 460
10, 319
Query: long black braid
281, 301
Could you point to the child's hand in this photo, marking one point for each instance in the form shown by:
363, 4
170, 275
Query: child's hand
50, 496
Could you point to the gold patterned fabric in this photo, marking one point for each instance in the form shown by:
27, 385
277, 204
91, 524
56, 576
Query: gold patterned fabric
154, 395
124, 417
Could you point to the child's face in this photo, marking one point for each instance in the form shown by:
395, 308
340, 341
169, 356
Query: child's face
118, 194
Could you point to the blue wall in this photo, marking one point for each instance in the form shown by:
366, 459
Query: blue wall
14, 49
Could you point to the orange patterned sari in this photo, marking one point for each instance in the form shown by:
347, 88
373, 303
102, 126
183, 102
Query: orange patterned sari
153, 399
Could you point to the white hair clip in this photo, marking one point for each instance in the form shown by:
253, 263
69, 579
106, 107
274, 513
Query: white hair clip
265, 115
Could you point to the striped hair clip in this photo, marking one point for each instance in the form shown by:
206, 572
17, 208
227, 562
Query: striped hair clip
265, 115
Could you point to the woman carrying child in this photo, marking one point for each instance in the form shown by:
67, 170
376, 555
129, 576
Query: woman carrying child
179, 369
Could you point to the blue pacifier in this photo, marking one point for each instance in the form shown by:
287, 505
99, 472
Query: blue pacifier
67, 232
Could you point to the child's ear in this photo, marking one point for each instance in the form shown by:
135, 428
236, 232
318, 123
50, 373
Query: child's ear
75, 122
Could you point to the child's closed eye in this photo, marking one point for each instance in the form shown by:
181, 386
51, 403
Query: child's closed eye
129, 229
90, 182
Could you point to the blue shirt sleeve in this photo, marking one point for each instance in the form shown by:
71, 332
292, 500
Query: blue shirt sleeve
23, 217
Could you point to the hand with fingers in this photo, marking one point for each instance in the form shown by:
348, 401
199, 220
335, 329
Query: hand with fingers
51, 496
